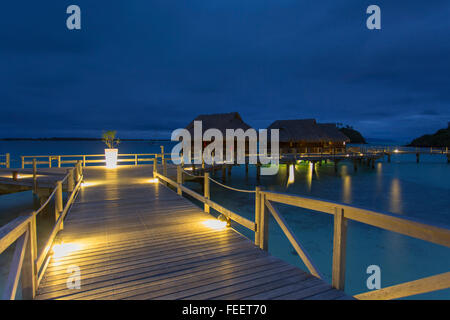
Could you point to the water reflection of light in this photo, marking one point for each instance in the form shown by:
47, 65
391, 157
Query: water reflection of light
291, 178
347, 189
344, 170
309, 176
395, 196
379, 179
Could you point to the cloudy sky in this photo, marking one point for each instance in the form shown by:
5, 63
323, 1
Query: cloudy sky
145, 68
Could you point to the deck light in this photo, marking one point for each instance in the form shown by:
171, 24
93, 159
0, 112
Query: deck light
89, 183
224, 218
215, 224
153, 180
291, 178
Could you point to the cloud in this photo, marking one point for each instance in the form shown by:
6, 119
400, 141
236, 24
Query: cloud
150, 67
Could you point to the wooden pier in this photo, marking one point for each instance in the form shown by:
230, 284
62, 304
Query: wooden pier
129, 233
140, 240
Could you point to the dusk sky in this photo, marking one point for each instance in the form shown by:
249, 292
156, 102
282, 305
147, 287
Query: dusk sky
145, 68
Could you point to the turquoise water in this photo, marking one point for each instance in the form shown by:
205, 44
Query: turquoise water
402, 187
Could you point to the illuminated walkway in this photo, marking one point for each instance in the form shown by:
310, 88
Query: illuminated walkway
130, 238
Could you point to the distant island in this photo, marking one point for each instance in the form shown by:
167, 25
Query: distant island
73, 139
439, 139
354, 135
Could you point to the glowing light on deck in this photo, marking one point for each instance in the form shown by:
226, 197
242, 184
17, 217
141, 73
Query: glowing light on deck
89, 183
396, 150
215, 224
153, 180
63, 249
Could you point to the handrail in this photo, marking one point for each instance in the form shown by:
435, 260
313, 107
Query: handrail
86, 159
388, 221
342, 213
7, 161
26, 263
50, 197
207, 202
231, 188
192, 175
264, 206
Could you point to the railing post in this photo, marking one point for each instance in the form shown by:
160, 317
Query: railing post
179, 180
79, 171
207, 192
155, 166
339, 248
70, 182
50, 162
23, 161
164, 162
34, 176
84, 161
58, 202
59, 161
257, 215
8, 160
29, 269
162, 153
135, 160
264, 223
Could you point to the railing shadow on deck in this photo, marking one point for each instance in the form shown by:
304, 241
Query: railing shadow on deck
265, 205
28, 265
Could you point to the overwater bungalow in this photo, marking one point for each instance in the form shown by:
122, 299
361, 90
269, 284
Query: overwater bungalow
308, 136
220, 121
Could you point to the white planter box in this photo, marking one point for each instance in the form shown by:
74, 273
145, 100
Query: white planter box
111, 158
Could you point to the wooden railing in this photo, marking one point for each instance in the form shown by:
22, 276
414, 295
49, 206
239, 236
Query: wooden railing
402, 149
87, 159
5, 160
265, 205
27, 263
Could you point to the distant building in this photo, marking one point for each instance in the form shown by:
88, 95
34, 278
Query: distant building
220, 121
308, 136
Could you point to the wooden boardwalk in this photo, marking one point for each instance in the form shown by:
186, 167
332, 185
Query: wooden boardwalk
132, 239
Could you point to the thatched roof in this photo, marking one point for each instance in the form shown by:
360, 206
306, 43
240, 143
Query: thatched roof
308, 130
221, 121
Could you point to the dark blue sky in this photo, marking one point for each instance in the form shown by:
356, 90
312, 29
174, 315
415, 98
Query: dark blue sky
147, 67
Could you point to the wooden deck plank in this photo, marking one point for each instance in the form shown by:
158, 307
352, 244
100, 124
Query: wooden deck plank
140, 240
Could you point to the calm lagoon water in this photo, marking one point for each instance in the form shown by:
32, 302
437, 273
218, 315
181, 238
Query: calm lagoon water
403, 187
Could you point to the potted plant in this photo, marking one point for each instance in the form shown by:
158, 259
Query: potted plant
109, 138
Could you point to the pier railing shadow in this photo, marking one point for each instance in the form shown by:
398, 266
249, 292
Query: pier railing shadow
28, 265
